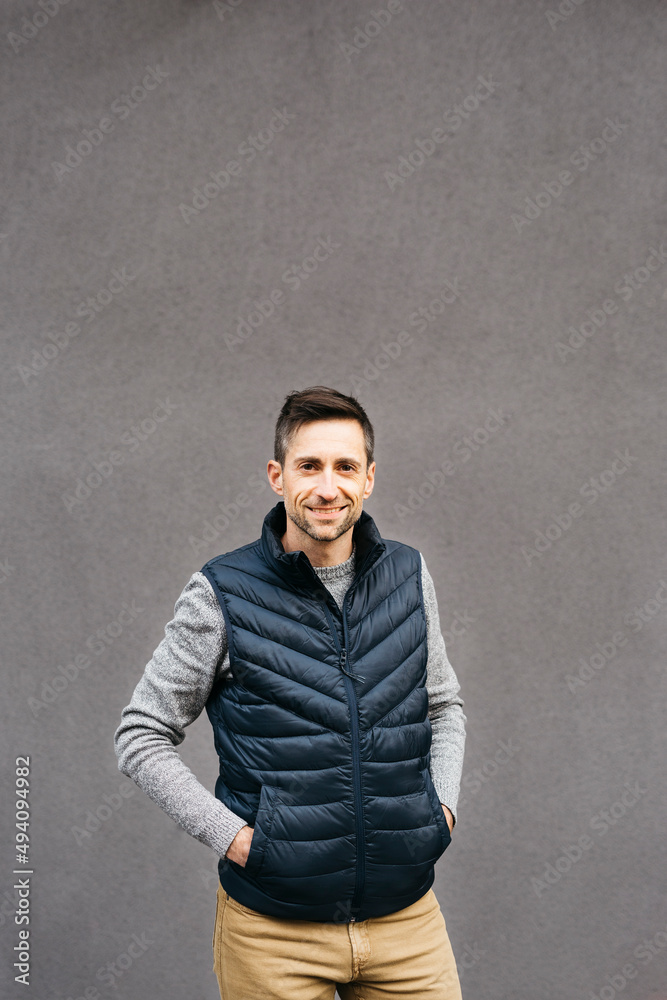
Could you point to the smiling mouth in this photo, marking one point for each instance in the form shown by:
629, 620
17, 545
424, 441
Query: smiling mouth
326, 511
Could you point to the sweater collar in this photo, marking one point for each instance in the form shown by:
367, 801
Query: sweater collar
366, 538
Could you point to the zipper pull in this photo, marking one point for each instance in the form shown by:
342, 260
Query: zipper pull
343, 661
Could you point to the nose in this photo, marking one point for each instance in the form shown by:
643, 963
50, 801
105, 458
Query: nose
326, 485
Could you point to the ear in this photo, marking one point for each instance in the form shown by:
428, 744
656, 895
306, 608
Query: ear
275, 473
370, 481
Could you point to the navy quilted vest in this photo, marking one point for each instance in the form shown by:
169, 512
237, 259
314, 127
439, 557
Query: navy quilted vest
323, 734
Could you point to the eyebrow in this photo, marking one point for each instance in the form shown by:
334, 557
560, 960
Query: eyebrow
315, 460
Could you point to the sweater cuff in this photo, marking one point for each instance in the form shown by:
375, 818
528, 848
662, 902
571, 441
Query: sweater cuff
220, 828
447, 792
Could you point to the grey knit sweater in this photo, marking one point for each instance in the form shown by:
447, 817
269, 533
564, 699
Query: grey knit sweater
177, 681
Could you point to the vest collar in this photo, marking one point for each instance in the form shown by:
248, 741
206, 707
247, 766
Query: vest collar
295, 565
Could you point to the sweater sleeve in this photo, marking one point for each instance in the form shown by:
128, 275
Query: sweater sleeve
170, 695
445, 707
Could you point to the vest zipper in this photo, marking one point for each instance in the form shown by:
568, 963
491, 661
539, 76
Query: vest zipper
356, 764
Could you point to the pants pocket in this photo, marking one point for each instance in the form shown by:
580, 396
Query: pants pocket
220, 903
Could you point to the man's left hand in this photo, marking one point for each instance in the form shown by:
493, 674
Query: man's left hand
448, 817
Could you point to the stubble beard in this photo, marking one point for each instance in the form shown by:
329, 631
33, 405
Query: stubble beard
322, 533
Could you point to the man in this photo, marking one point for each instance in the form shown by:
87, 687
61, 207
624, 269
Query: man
317, 653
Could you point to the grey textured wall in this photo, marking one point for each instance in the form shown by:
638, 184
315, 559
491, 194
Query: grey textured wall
527, 227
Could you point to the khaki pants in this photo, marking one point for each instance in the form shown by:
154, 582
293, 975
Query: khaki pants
404, 954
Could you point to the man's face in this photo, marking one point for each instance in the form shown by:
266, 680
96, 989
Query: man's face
324, 480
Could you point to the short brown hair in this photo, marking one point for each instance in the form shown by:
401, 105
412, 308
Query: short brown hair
319, 402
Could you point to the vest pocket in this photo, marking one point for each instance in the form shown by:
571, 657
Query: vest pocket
268, 800
437, 809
